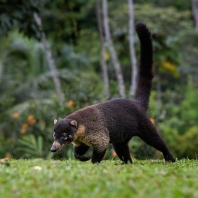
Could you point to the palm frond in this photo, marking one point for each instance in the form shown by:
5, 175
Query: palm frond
70, 59
22, 107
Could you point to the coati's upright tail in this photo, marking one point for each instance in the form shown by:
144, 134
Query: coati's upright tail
145, 70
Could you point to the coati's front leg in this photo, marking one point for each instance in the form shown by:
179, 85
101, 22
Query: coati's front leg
100, 145
79, 152
122, 150
97, 156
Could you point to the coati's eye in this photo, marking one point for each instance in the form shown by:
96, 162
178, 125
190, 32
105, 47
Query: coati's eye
64, 134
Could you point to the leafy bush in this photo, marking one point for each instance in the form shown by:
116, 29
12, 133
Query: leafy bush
32, 122
179, 126
28, 103
30, 146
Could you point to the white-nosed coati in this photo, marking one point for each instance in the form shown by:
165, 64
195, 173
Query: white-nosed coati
115, 121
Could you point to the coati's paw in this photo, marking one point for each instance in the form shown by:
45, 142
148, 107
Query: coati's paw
97, 156
128, 162
95, 162
83, 158
169, 158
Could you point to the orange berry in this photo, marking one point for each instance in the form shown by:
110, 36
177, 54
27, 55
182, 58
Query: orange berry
114, 154
23, 131
70, 103
31, 119
152, 120
15, 115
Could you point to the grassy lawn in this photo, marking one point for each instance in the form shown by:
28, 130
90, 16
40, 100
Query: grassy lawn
68, 178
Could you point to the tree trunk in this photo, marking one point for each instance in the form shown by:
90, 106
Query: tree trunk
49, 58
102, 51
159, 97
114, 57
195, 12
159, 93
132, 50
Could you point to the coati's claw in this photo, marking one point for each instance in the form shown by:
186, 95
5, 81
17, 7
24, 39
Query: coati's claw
82, 158
169, 158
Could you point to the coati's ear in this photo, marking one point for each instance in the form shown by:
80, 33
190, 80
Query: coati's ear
55, 121
74, 123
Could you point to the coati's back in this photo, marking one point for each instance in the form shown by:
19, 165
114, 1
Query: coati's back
121, 117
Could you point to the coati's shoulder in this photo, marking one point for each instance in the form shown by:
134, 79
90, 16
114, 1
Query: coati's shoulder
84, 113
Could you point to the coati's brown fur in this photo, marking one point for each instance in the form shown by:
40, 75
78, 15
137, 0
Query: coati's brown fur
115, 121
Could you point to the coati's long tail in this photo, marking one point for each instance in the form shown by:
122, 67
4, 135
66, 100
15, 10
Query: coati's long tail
145, 70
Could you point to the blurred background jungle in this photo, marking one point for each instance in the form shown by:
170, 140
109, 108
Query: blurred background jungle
59, 56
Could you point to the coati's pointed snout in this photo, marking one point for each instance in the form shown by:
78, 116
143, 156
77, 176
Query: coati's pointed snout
53, 149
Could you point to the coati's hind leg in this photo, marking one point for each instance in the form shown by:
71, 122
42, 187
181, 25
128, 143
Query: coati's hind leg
122, 150
150, 135
79, 152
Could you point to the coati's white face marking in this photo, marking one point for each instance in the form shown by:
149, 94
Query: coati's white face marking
55, 121
56, 144
64, 133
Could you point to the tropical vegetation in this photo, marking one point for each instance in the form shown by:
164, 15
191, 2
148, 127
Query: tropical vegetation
29, 101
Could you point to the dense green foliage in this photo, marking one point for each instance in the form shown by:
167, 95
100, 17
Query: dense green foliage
68, 178
28, 100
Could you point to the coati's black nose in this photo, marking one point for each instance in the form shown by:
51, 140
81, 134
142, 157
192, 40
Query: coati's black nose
53, 149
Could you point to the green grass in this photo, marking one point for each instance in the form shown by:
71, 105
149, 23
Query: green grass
68, 178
